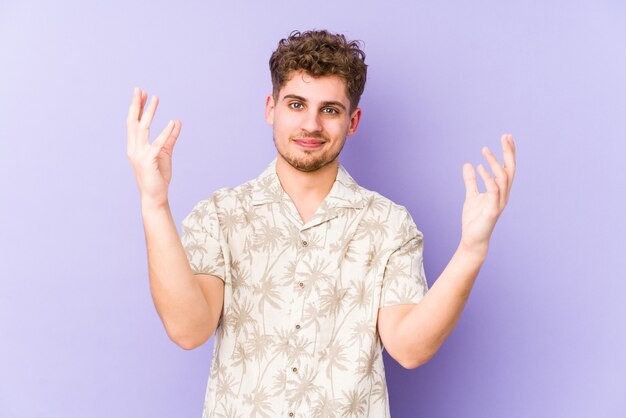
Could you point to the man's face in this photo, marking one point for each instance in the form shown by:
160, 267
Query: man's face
311, 119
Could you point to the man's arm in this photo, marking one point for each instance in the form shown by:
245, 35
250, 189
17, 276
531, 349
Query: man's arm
189, 306
412, 334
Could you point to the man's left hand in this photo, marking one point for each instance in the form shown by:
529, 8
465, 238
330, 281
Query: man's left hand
482, 210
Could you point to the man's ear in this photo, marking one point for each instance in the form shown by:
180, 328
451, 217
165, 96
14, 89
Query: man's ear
269, 109
354, 121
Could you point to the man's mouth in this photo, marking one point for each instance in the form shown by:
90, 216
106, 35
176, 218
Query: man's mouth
309, 142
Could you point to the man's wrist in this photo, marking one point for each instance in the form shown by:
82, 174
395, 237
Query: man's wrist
150, 206
477, 252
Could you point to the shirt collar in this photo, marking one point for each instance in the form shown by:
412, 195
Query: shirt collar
345, 193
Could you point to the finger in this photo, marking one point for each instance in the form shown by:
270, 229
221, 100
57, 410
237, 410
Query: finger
170, 132
173, 137
133, 110
469, 177
178, 126
132, 119
490, 184
508, 151
498, 170
143, 96
501, 176
148, 115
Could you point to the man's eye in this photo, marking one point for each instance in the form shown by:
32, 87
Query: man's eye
330, 110
295, 105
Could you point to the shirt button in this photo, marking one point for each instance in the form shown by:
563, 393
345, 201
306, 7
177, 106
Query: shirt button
298, 326
295, 370
301, 284
291, 414
305, 243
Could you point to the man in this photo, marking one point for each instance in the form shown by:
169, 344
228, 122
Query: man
302, 274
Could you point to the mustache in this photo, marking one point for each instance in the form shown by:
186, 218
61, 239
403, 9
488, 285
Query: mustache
313, 135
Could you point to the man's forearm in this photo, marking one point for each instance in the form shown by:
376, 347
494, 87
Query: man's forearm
177, 295
427, 325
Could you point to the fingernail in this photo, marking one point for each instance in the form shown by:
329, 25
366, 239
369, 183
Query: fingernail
136, 91
170, 124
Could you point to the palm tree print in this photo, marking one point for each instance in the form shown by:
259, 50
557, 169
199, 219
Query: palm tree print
303, 389
225, 385
268, 292
336, 358
241, 357
361, 332
325, 407
315, 273
354, 403
231, 412
261, 406
241, 318
259, 345
298, 331
267, 238
230, 220
368, 360
240, 277
331, 301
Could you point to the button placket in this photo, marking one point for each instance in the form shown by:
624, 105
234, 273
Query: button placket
295, 313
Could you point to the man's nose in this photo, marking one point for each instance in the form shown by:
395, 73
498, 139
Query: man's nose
312, 121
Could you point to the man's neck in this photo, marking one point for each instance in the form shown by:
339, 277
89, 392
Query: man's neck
307, 190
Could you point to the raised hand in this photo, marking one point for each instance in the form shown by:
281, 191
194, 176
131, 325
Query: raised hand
152, 163
482, 210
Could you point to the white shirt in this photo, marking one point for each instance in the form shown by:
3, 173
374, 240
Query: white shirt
298, 334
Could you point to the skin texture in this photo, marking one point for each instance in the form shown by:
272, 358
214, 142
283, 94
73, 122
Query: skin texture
313, 111
189, 305
152, 163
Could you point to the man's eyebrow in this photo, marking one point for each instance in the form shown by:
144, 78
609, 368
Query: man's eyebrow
302, 99
293, 96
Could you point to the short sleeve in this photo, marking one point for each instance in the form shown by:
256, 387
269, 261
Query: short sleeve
201, 239
404, 281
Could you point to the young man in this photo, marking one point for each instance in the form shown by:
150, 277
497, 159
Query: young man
304, 275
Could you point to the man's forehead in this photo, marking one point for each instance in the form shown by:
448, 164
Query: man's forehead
324, 88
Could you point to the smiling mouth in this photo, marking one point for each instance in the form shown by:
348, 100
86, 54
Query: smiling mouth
308, 142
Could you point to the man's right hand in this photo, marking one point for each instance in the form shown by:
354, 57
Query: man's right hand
152, 163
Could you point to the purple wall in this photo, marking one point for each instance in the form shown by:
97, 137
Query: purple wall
543, 333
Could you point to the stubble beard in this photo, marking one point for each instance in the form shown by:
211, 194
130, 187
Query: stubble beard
310, 163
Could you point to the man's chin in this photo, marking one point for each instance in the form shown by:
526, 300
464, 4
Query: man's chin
308, 165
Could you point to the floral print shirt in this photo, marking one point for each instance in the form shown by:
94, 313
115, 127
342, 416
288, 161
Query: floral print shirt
298, 335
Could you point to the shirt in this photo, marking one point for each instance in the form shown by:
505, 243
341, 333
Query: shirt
297, 336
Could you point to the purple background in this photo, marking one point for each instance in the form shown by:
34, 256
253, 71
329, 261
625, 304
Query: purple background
543, 332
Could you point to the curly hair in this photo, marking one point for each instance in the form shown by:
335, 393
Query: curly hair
320, 53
